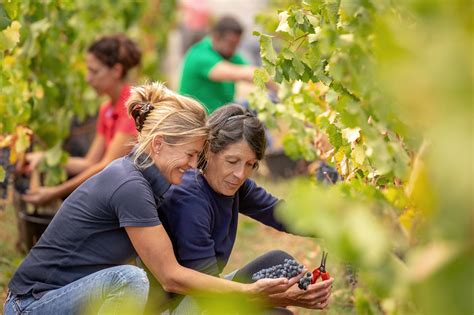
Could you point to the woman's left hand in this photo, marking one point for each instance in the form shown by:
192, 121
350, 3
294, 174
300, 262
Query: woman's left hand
315, 297
41, 195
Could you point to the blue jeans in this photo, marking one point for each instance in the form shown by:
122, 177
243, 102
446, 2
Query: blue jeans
116, 290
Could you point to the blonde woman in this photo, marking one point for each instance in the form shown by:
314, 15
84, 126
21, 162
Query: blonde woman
112, 217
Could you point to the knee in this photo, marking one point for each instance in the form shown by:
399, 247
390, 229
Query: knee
278, 255
133, 276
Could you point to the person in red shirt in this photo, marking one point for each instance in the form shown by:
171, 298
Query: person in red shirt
108, 61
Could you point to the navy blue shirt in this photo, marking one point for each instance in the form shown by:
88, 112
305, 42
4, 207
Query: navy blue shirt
87, 234
202, 223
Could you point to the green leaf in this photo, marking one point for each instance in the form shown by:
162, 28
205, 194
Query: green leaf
260, 78
335, 136
5, 20
267, 50
53, 155
2, 174
298, 66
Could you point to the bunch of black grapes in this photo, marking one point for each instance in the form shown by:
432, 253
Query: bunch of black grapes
7, 168
21, 183
305, 281
327, 174
289, 269
351, 275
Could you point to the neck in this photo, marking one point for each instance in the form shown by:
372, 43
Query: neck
115, 92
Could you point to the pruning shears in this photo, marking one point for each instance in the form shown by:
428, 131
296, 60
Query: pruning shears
321, 270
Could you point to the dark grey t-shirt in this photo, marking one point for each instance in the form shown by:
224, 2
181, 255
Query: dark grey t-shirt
87, 234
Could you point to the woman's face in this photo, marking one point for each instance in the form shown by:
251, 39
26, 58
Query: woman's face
174, 159
227, 170
101, 77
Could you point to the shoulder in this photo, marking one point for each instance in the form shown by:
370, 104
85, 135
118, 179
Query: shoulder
191, 189
121, 174
202, 52
104, 107
238, 59
247, 187
188, 199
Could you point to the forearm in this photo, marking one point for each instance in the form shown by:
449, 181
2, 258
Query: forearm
187, 281
69, 186
155, 249
178, 279
76, 165
225, 71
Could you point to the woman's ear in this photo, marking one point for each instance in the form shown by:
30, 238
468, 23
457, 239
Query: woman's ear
118, 71
157, 143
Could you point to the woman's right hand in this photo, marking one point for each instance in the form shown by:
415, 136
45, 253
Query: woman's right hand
31, 162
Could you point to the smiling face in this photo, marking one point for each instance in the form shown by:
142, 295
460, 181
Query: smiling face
228, 169
174, 159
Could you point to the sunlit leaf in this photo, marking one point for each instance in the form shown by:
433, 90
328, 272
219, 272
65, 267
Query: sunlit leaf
10, 36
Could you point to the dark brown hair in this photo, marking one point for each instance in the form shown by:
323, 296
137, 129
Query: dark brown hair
227, 24
232, 123
116, 49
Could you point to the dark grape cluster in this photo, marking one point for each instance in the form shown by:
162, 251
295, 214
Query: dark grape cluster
21, 183
8, 168
305, 281
351, 275
289, 269
327, 174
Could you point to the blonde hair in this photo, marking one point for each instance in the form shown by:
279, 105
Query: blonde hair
158, 111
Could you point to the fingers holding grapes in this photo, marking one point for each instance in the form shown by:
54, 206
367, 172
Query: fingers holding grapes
316, 296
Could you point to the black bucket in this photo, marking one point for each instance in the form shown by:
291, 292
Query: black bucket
280, 165
34, 226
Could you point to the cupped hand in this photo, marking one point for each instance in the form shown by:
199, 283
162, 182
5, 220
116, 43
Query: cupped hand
267, 287
40, 195
316, 296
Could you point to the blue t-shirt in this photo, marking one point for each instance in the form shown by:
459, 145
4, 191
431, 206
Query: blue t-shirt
87, 234
202, 224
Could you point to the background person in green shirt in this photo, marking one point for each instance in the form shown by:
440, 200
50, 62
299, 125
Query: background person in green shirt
211, 67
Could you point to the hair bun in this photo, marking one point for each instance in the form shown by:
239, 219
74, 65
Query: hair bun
139, 112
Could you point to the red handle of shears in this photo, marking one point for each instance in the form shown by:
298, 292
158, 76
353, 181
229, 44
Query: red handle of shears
321, 270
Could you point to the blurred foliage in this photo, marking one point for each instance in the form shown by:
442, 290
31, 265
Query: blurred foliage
383, 91
42, 62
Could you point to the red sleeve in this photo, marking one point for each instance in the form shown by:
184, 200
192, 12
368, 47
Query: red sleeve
100, 127
126, 124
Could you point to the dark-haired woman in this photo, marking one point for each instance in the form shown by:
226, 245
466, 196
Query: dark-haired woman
79, 266
109, 60
201, 214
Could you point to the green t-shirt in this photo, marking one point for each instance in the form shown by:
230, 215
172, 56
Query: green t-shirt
195, 82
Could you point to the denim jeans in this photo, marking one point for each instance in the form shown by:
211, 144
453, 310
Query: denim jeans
116, 290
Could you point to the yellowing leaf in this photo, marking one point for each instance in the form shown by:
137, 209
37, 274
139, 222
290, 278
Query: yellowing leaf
351, 134
2, 174
283, 25
314, 37
358, 154
22, 142
408, 218
348, 38
10, 36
